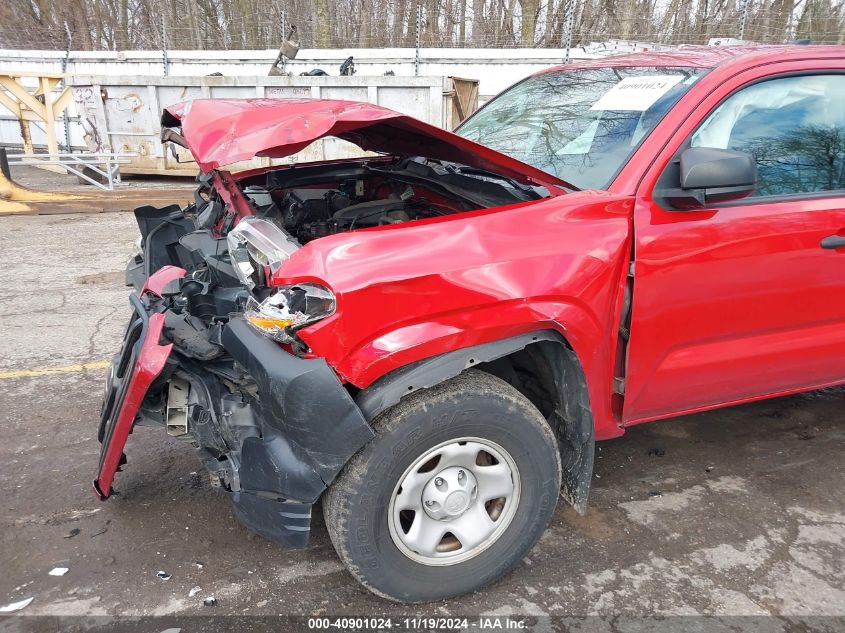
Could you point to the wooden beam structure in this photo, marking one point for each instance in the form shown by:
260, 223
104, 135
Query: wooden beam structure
39, 102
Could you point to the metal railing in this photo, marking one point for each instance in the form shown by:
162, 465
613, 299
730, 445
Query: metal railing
101, 169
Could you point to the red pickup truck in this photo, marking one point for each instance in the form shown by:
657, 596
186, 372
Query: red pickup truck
431, 337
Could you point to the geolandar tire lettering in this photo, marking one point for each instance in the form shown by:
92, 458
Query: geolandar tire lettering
459, 483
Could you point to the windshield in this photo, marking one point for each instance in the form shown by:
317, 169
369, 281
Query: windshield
580, 125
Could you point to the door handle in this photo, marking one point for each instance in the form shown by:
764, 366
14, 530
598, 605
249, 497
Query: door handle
833, 242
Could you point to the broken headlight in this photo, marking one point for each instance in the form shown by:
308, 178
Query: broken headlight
257, 246
290, 308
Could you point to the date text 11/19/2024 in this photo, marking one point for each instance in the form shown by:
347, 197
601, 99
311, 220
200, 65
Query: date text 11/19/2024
416, 623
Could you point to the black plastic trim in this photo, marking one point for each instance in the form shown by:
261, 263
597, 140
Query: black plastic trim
310, 424
285, 522
388, 390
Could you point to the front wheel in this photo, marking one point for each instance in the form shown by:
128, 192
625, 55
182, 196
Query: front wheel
459, 483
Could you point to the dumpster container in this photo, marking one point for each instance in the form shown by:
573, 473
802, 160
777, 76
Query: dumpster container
122, 114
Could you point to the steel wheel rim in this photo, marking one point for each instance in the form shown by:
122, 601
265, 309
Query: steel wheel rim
454, 501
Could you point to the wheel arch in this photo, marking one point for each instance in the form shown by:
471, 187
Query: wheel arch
542, 365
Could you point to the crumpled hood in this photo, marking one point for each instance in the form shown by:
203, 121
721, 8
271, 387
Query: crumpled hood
224, 131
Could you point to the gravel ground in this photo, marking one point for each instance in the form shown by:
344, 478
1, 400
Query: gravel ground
739, 512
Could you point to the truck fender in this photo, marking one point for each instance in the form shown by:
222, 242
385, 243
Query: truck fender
571, 419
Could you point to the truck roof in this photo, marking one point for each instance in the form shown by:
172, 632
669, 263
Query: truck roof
709, 56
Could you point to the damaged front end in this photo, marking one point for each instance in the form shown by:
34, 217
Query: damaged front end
213, 352
273, 428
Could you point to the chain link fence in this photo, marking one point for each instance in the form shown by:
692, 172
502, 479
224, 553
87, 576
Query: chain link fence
188, 24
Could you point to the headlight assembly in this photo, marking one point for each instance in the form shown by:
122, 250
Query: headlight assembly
257, 245
290, 308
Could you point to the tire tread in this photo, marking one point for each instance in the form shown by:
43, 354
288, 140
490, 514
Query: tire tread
337, 513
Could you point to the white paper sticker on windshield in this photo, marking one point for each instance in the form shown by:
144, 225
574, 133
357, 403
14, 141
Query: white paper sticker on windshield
636, 93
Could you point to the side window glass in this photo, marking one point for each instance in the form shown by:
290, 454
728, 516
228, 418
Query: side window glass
794, 127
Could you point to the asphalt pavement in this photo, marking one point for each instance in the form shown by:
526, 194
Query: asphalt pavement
736, 512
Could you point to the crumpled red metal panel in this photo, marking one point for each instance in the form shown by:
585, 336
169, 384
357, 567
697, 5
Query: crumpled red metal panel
151, 360
224, 131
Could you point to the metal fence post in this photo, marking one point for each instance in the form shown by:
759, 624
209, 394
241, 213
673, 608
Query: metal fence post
65, 117
743, 18
419, 29
164, 60
568, 24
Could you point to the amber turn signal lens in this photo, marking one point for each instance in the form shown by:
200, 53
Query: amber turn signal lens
267, 322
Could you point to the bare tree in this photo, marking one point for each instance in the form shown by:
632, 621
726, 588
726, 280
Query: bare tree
234, 24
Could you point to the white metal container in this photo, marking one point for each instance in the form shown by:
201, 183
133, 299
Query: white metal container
122, 114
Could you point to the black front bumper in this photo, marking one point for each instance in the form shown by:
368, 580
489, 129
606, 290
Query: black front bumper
273, 429
305, 428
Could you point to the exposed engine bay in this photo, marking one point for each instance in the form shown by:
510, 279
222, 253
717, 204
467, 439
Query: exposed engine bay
302, 203
310, 202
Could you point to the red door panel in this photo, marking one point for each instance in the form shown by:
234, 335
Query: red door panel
734, 303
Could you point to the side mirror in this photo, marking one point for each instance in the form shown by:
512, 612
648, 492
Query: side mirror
708, 176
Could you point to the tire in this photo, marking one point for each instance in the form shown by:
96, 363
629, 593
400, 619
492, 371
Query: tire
379, 543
